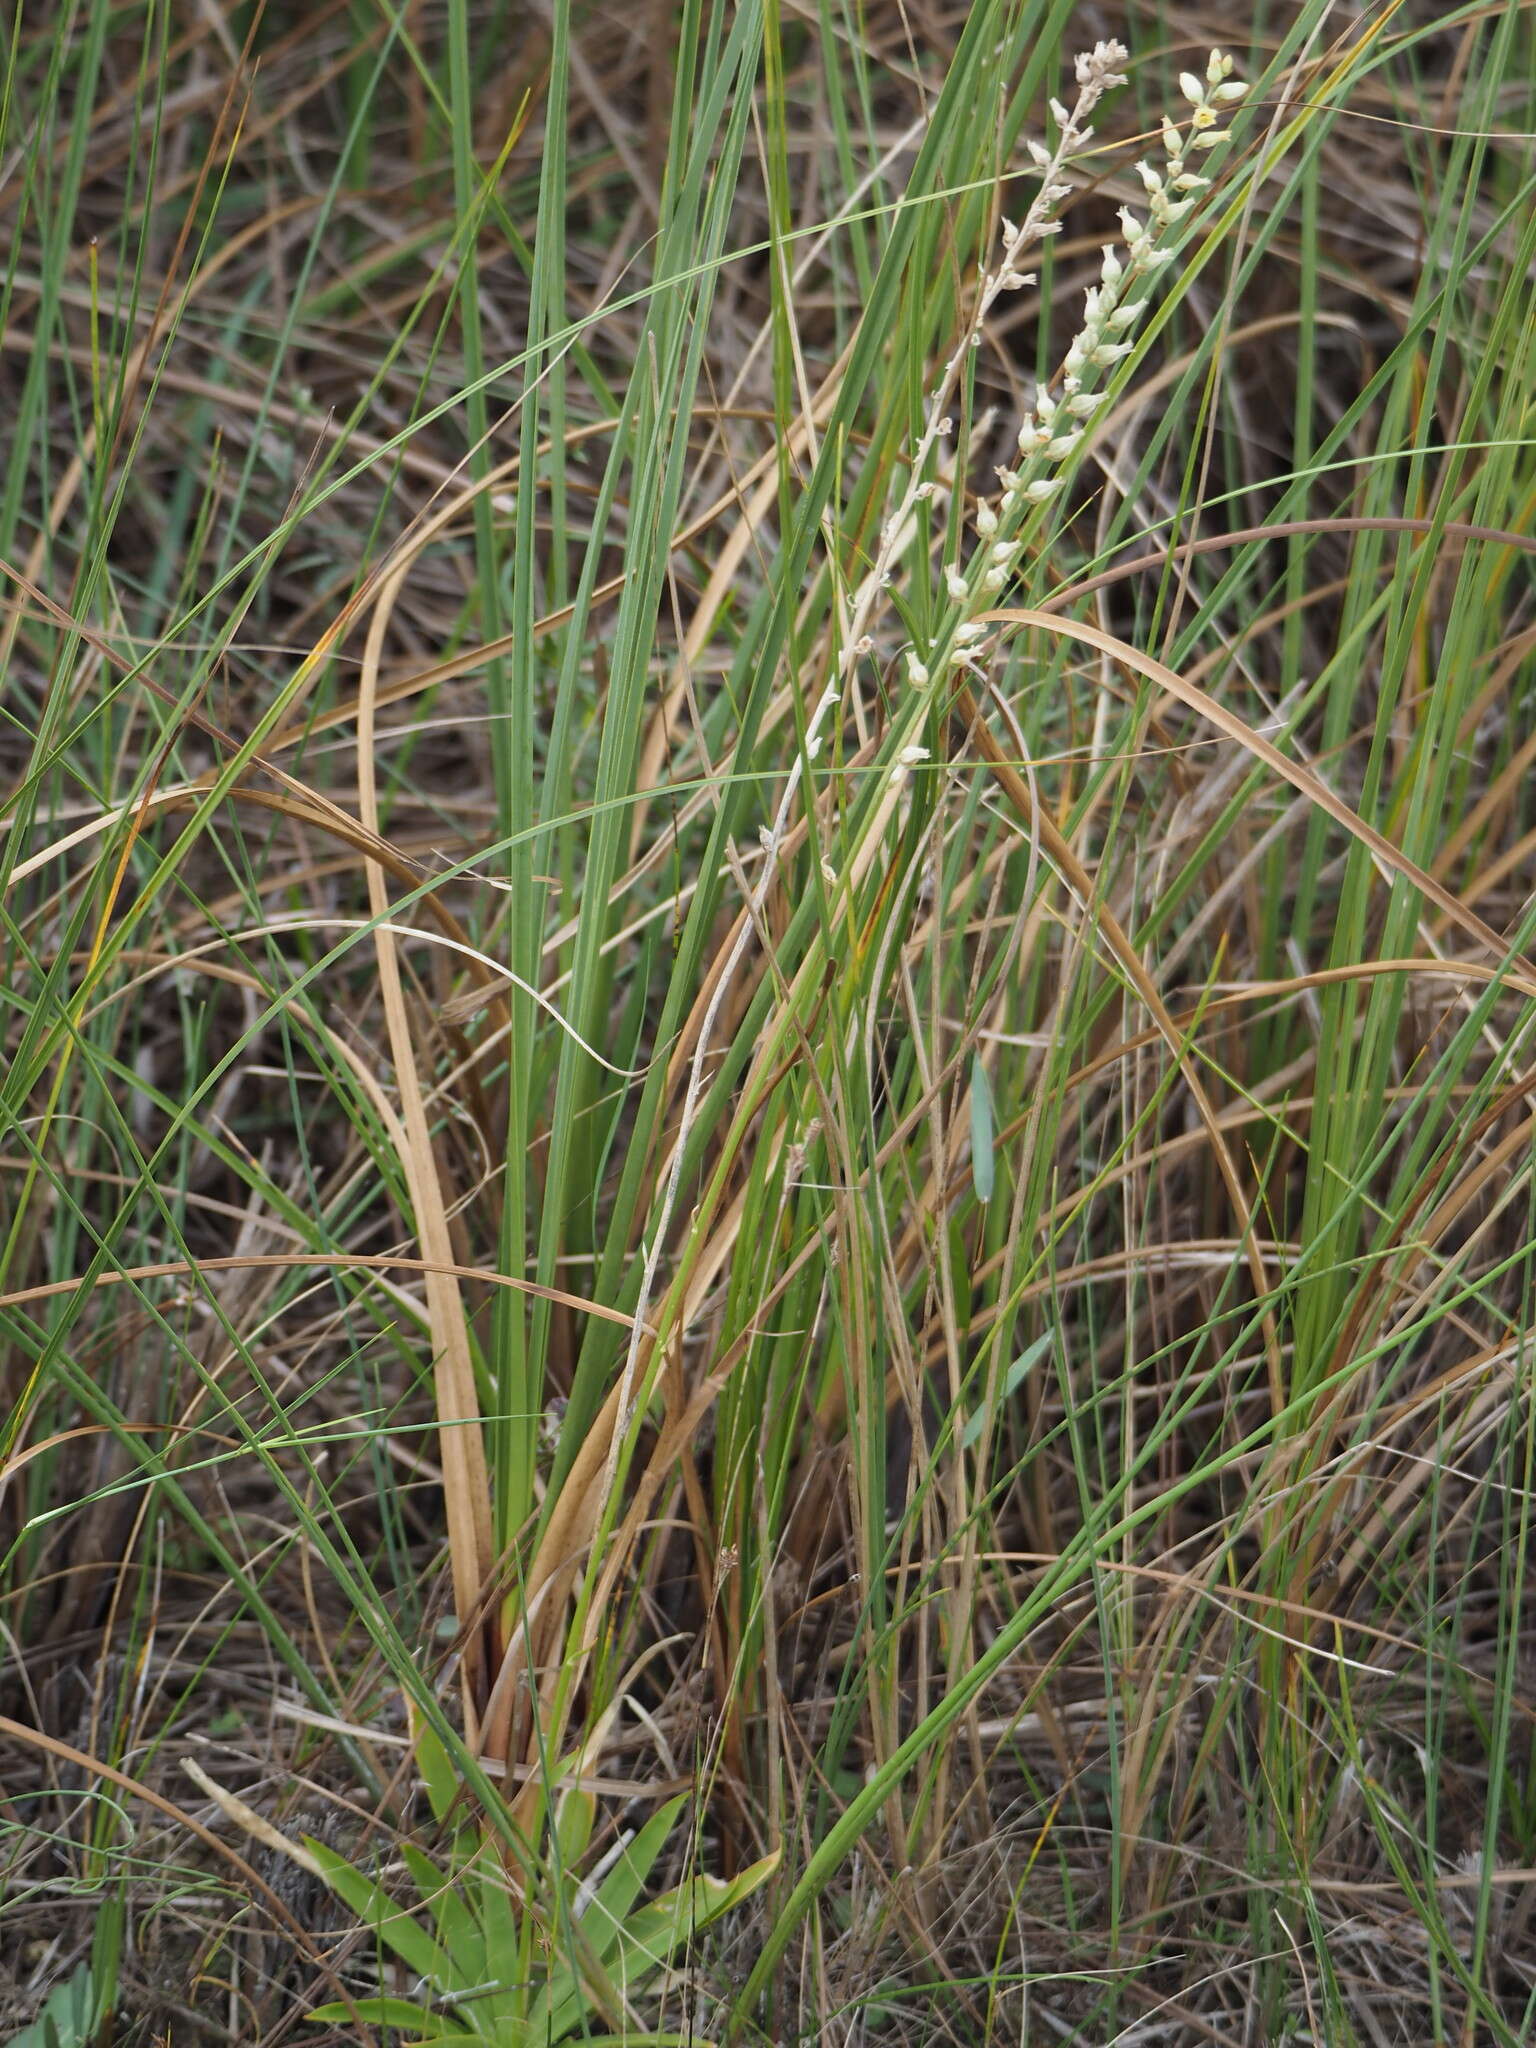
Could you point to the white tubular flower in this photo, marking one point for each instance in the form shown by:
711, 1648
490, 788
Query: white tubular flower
1041, 489
956, 585
906, 761
1026, 434
986, 520
917, 673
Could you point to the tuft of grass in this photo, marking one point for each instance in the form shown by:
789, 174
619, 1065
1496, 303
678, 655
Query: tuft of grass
768, 1002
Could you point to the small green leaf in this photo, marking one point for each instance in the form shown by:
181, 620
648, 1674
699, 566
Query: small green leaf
983, 1160
1012, 1378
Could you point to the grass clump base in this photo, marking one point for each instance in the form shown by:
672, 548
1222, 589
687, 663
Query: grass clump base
765, 1184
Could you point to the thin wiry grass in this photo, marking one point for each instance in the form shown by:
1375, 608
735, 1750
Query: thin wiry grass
596, 1172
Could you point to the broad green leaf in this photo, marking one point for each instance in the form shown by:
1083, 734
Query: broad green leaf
378, 1912
68, 2018
652, 1936
603, 1917
402, 2015
436, 1767
577, 1817
461, 1937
